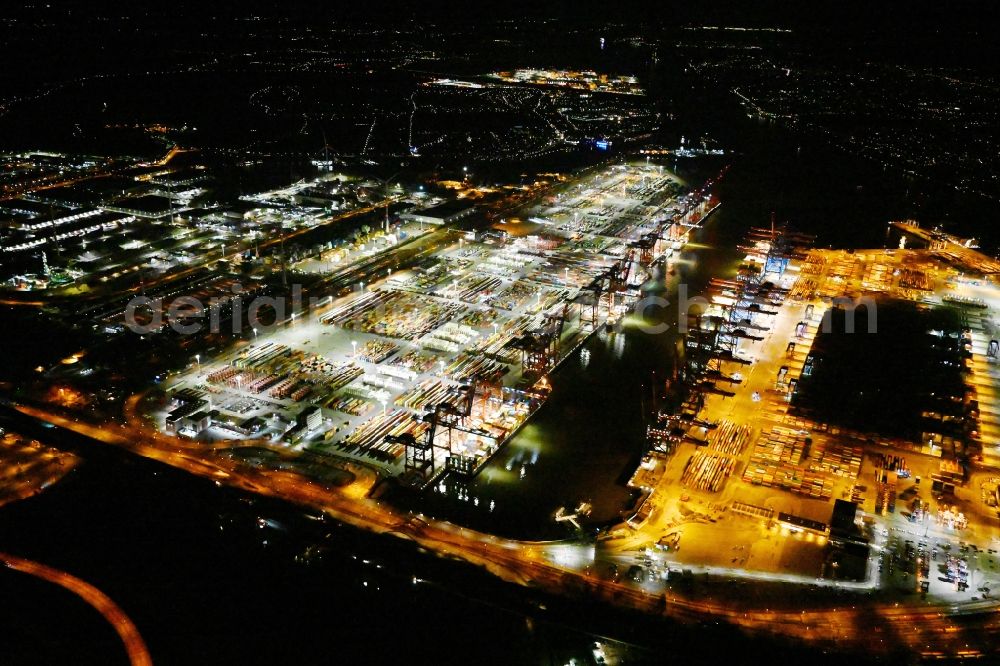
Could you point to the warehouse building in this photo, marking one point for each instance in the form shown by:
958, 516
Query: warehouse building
445, 213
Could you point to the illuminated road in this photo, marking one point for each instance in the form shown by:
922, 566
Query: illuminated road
134, 645
15, 302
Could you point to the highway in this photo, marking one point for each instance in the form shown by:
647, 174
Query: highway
135, 647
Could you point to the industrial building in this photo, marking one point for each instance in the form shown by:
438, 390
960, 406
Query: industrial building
445, 213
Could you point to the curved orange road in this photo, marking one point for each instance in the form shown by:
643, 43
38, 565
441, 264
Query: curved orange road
138, 654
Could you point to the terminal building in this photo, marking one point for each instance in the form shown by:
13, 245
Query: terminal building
313, 419
190, 413
180, 180
441, 214
147, 206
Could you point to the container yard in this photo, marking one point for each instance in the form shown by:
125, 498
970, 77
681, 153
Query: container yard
749, 464
707, 471
433, 366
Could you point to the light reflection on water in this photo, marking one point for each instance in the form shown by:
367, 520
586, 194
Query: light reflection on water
618, 344
582, 445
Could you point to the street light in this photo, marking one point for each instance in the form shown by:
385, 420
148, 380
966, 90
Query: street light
354, 344
385, 191
197, 359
